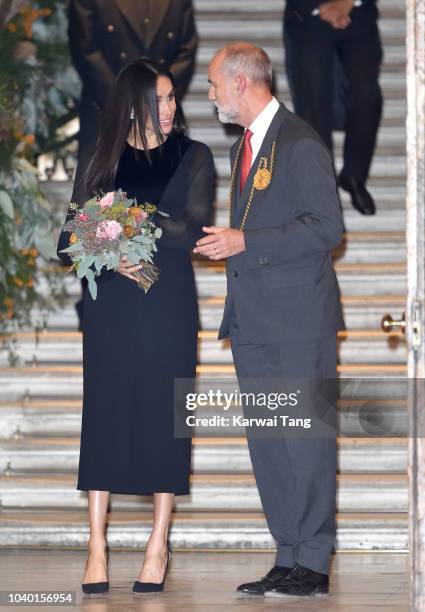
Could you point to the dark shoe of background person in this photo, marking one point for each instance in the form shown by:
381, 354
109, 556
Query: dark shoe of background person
360, 197
269, 581
301, 582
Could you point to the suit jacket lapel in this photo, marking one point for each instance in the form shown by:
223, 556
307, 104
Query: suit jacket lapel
265, 151
156, 14
157, 11
129, 10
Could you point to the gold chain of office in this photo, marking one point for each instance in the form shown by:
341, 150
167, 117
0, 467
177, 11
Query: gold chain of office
262, 179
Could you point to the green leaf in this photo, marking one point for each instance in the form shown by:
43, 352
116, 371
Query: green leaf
158, 232
71, 249
84, 266
99, 262
6, 204
92, 288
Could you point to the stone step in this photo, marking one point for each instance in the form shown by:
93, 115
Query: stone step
367, 279
388, 8
394, 57
197, 109
209, 492
383, 166
209, 455
354, 279
200, 531
363, 411
392, 83
66, 382
390, 201
389, 215
359, 312
391, 140
264, 27
355, 346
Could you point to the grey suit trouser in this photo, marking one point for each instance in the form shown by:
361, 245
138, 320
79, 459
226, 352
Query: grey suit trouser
296, 476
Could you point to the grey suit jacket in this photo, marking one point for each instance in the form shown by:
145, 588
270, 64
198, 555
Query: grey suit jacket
283, 286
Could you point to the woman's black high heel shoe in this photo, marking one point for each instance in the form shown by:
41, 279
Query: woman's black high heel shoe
152, 587
97, 587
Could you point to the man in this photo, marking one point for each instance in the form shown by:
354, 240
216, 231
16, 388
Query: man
282, 308
314, 33
106, 35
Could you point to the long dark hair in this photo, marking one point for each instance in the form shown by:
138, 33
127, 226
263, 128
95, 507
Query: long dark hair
134, 91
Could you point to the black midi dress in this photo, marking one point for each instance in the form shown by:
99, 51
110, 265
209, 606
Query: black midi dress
136, 344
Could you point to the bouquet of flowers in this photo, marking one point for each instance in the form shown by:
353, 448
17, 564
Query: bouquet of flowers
105, 229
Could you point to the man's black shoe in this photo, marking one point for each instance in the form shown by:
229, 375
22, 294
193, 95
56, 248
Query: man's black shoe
360, 197
269, 581
301, 582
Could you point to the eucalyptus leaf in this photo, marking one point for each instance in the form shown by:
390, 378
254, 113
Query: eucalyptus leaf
71, 249
92, 288
158, 232
99, 262
84, 266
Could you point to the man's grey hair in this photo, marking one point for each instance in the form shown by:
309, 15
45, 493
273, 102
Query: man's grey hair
249, 60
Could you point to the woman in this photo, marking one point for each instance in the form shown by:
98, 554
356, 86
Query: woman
136, 344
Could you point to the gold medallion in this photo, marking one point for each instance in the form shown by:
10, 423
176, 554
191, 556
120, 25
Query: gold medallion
262, 178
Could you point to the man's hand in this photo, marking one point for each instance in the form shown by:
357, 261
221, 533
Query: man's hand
220, 243
337, 13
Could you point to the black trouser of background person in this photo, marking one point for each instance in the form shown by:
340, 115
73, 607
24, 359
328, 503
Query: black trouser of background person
311, 45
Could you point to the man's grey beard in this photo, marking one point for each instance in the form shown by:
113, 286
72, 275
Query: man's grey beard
229, 117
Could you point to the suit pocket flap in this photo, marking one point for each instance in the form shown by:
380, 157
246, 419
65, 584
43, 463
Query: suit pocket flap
284, 276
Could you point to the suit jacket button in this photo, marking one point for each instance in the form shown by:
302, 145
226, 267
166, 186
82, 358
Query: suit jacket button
170, 35
123, 55
146, 20
162, 60
235, 273
110, 28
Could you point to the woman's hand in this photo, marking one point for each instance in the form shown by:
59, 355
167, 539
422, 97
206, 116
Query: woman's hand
126, 268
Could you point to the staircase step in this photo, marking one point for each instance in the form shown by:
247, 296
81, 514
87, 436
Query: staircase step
210, 455
209, 492
355, 346
355, 279
361, 412
199, 531
391, 140
65, 382
197, 109
383, 166
359, 312
390, 202
389, 8
266, 27
394, 58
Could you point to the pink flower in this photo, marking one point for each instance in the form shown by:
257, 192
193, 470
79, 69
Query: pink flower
144, 215
108, 230
83, 217
107, 200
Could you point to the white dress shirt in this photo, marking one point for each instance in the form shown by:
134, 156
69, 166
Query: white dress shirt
261, 124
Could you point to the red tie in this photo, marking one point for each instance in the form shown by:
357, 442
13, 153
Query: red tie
246, 159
